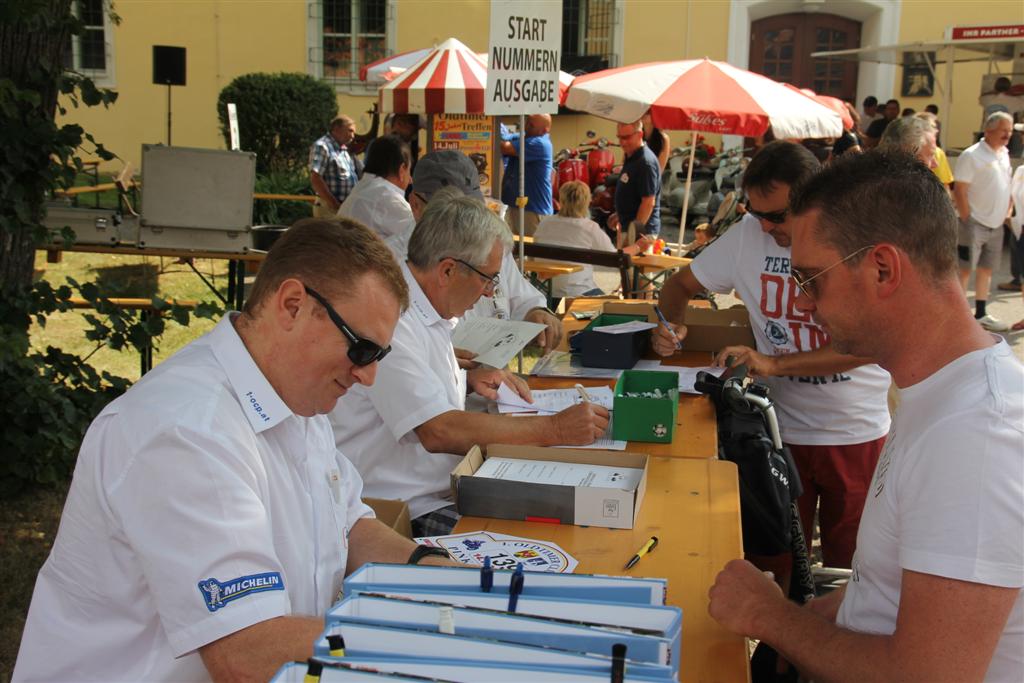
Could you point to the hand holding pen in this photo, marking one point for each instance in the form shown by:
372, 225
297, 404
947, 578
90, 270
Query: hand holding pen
665, 340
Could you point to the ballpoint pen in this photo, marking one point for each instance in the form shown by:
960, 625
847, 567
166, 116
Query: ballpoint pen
664, 322
647, 547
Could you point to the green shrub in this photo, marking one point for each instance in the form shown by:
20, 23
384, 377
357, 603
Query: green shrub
279, 212
279, 116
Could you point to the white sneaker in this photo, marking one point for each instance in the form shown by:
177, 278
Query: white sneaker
993, 324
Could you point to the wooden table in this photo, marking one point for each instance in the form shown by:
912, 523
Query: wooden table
654, 269
541, 272
691, 505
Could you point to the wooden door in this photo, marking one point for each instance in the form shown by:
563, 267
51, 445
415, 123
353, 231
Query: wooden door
780, 48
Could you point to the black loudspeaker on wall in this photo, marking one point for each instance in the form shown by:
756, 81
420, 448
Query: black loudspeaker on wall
168, 65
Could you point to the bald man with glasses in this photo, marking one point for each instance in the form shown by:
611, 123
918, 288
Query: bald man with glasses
833, 412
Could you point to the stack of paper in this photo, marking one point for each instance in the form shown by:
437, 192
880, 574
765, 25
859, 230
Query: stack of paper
687, 376
550, 401
461, 624
495, 342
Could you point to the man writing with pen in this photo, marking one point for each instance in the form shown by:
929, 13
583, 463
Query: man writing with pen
832, 408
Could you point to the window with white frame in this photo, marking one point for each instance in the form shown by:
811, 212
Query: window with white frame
588, 35
89, 52
346, 35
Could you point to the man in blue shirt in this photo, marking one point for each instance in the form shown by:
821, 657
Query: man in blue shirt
538, 173
638, 190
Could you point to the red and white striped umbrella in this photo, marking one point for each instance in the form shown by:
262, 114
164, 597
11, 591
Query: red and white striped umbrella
387, 69
702, 95
450, 80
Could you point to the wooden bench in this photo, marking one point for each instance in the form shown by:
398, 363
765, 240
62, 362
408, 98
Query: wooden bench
145, 308
609, 259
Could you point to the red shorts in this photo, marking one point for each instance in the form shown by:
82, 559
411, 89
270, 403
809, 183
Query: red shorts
837, 477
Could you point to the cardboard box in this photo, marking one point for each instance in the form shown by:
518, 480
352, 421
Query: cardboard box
393, 513
645, 419
584, 506
602, 350
710, 330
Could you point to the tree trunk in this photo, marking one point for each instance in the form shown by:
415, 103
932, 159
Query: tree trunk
33, 35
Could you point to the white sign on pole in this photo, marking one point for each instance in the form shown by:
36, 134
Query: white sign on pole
524, 55
233, 126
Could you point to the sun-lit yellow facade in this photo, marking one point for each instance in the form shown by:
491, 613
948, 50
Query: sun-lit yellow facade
228, 38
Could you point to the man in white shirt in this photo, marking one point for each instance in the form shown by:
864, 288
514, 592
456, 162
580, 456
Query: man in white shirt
378, 199
211, 519
832, 407
408, 431
513, 298
936, 588
982, 195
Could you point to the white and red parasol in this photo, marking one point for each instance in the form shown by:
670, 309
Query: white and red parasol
450, 79
702, 95
388, 69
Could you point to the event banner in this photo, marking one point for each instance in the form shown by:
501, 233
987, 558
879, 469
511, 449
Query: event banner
524, 57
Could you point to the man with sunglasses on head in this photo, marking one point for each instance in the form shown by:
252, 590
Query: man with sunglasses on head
638, 190
211, 518
832, 407
936, 590
407, 432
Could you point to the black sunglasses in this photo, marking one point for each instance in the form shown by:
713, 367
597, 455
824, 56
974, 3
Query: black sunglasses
492, 281
776, 217
360, 351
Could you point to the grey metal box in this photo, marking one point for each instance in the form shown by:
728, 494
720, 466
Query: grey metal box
91, 226
197, 199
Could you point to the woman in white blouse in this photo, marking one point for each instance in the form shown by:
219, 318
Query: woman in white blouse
572, 227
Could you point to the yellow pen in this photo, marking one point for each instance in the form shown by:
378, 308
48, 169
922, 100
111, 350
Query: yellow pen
336, 645
647, 547
313, 671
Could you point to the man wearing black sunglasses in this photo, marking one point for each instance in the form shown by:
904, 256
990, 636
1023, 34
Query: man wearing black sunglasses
211, 519
409, 430
832, 408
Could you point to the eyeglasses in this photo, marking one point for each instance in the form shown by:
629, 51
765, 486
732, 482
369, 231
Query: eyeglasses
492, 280
805, 283
776, 217
360, 351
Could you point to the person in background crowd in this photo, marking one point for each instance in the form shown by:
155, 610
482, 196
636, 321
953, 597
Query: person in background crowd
572, 227
538, 174
409, 430
656, 139
982, 194
875, 129
378, 199
933, 109
638, 189
908, 111
910, 135
871, 113
941, 168
935, 593
848, 141
831, 406
406, 127
333, 170
210, 544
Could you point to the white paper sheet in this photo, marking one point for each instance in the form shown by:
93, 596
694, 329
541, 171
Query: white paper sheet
495, 342
560, 473
687, 376
564, 364
550, 401
625, 328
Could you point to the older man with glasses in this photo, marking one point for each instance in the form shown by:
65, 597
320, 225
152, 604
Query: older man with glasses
408, 431
832, 407
211, 519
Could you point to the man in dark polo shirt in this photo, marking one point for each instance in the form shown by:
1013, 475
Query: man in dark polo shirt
638, 191
874, 131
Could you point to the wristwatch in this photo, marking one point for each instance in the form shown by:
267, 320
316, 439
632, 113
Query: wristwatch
422, 551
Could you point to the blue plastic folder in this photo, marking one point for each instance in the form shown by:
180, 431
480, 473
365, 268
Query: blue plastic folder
347, 669
651, 634
375, 640
382, 578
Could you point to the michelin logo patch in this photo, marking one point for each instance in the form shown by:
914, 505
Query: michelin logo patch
217, 594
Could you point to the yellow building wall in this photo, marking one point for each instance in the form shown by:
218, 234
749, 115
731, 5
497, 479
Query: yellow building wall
927, 21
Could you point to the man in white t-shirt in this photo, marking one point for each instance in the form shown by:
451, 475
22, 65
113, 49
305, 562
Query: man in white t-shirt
211, 519
936, 591
408, 431
982, 195
378, 199
832, 407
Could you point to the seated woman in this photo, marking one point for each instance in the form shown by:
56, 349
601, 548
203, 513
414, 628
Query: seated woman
571, 227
